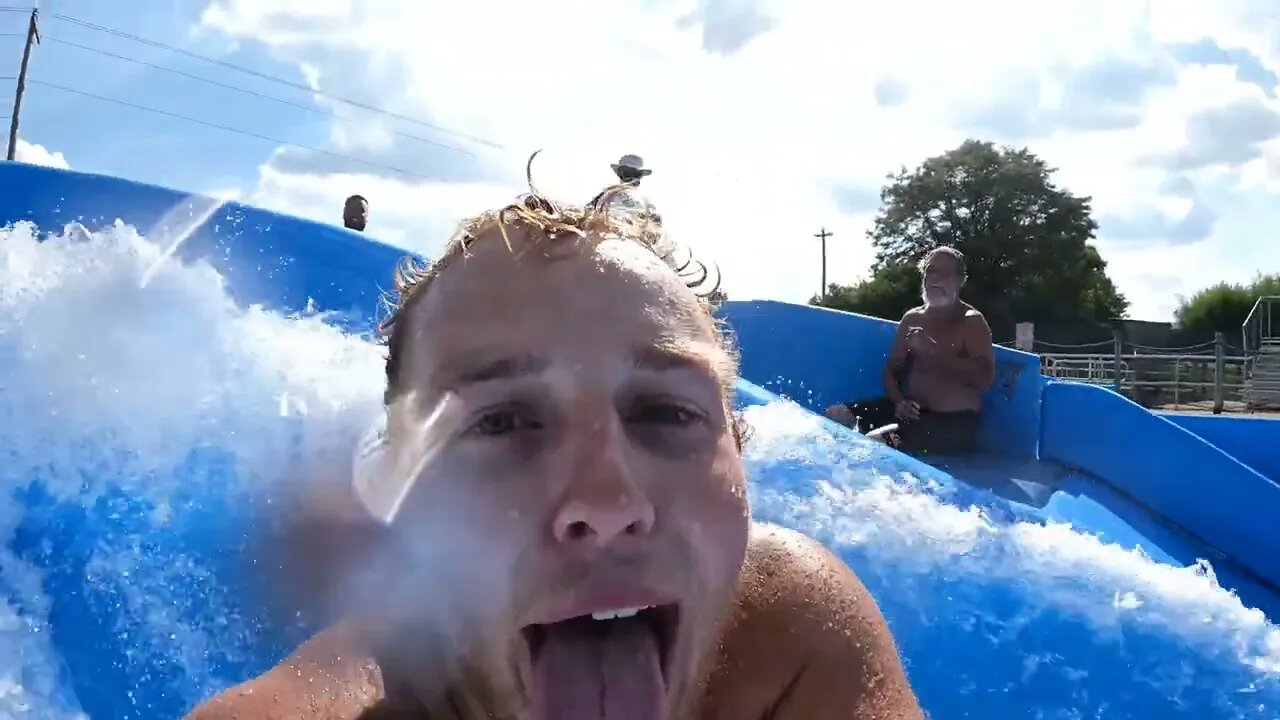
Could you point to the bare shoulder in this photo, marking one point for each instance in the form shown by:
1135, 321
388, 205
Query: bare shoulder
806, 640
913, 314
974, 316
975, 325
329, 676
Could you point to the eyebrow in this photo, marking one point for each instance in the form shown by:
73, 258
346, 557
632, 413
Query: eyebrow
664, 358
475, 369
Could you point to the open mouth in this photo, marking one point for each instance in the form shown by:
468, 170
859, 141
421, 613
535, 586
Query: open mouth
659, 622
610, 664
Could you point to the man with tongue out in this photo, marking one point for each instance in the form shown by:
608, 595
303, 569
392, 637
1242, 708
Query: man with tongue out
564, 524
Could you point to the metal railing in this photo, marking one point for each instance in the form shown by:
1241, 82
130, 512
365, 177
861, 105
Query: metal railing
1259, 329
1158, 380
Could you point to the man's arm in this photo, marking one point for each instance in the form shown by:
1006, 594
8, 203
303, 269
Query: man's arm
330, 676
897, 357
837, 661
977, 369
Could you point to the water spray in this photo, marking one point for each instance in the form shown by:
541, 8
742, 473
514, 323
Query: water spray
383, 475
199, 210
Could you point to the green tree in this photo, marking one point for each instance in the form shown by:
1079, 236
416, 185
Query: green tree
886, 294
1224, 307
1026, 241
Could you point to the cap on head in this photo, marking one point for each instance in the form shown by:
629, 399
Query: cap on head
631, 165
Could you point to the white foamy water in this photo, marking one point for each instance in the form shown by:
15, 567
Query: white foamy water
108, 384
914, 541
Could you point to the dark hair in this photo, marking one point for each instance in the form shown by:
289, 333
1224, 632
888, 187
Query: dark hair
357, 197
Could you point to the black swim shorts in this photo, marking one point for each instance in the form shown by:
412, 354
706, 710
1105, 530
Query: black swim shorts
933, 433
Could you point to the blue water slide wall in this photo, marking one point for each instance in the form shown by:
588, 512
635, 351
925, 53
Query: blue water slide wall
819, 357
258, 252
1254, 441
1181, 475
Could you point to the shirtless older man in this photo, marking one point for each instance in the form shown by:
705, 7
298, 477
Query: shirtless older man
944, 349
572, 534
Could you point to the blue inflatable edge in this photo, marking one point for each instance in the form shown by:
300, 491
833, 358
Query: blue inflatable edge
1253, 440
1179, 474
256, 251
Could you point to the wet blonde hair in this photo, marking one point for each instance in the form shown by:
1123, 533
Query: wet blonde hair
557, 222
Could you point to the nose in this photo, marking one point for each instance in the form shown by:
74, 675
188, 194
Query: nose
602, 505
603, 522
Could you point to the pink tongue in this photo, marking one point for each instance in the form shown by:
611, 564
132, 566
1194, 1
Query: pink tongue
585, 672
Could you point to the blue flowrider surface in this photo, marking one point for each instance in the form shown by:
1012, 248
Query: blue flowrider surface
164, 379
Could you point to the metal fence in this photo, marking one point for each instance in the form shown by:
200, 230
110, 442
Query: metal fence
1261, 327
1166, 381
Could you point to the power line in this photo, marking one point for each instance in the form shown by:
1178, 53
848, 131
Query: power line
226, 128
272, 78
246, 91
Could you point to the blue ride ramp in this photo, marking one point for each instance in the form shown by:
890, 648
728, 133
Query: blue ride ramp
1253, 440
156, 401
1191, 481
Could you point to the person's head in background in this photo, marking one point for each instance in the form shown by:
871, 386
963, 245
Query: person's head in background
355, 213
943, 274
630, 168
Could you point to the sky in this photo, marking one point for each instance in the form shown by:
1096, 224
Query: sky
764, 121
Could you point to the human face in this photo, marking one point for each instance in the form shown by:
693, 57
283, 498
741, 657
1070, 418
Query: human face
587, 467
942, 282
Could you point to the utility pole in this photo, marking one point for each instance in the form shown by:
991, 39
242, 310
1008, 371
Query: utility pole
823, 235
33, 36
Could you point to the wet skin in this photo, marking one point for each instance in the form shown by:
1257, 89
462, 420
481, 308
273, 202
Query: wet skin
947, 345
587, 463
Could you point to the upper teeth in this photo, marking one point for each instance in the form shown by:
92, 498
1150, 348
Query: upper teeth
619, 613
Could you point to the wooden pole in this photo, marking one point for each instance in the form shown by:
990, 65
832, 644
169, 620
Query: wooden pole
1119, 348
1219, 367
33, 37
823, 235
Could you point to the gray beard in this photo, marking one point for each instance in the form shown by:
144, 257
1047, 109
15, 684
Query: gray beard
929, 305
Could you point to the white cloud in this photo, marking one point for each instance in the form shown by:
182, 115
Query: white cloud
765, 121
34, 154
